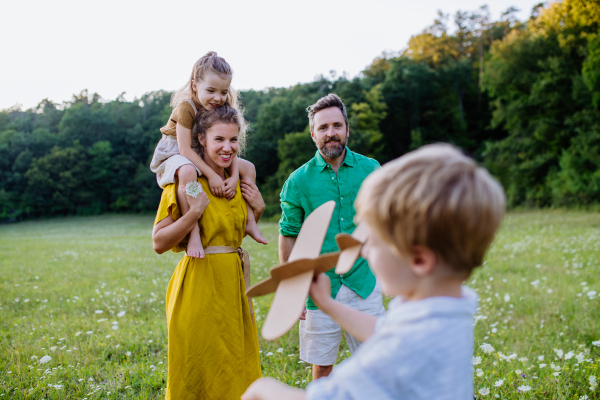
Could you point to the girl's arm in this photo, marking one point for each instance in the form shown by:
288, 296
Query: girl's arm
184, 141
231, 182
168, 233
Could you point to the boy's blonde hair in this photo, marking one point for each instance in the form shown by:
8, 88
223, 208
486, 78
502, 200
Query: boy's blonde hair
434, 197
210, 62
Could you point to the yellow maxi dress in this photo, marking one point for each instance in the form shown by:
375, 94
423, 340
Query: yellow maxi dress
213, 340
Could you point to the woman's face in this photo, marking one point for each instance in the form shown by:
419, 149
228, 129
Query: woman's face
220, 145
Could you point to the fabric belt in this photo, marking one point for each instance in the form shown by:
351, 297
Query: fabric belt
244, 258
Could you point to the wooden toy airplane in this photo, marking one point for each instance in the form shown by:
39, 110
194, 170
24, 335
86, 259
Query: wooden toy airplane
291, 281
350, 246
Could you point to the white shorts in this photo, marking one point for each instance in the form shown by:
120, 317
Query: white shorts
320, 336
167, 160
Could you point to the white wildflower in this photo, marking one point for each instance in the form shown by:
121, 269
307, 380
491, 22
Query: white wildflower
269, 354
479, 372
193, 188
559, 353
506, 298
596, 343
280, 350
541, 358
524, 388
580, 357
120, 314
486, 348
499, 383
518, 372
45, 359
99, 311
569, 355
78, 333
484, 391
476, 360
543, 365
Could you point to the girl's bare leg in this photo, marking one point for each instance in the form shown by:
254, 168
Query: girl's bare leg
248, 172
186, 174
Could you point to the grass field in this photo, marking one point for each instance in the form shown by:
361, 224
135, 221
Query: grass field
82, 311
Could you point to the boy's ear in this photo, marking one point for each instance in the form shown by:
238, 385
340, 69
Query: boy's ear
423, 261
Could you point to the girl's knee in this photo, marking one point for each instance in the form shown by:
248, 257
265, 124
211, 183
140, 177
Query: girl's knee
247, 170
187, 171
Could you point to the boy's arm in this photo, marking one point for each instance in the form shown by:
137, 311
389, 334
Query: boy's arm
184, 141
271, 389
359, 324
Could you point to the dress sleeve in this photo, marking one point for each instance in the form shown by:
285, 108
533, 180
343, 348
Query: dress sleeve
292, 213
168, 200
184, 115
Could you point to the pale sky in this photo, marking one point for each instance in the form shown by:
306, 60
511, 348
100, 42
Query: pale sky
53, 49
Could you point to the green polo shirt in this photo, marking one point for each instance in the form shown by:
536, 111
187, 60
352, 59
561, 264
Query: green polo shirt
315, 183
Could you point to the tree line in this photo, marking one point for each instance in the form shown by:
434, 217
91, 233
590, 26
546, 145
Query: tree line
523, 98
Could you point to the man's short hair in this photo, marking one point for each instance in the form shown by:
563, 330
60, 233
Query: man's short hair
434, 197
331, 100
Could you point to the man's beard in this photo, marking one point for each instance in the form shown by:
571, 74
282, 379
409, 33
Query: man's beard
333, 151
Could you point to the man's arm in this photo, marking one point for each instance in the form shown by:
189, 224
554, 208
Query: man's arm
286, 243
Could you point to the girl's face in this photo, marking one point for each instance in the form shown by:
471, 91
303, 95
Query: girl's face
220, 146
212, 90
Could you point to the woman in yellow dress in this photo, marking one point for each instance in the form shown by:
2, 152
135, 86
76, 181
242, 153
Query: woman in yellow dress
213, 341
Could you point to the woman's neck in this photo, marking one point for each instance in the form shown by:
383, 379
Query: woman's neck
218, 170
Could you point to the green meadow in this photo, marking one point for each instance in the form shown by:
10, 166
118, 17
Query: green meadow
82, 313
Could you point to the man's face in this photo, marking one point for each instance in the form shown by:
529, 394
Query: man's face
330, 132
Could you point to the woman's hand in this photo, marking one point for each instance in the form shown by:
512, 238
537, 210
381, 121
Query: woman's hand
320, 290
197, 204
230, 185
253, 196
217, 188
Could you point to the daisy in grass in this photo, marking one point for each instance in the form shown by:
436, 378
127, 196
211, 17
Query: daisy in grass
486, 348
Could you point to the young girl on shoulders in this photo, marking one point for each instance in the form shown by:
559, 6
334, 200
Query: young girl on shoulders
176, 155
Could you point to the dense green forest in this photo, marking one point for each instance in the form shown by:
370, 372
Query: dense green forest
523, 98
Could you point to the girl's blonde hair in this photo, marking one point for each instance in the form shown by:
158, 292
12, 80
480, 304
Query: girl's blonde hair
210, 62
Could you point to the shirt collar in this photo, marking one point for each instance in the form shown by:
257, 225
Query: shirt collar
348, 160
400, 311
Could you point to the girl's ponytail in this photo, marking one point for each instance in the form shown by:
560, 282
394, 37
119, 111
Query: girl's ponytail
210, 62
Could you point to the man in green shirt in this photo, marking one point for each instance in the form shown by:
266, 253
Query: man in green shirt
334, 173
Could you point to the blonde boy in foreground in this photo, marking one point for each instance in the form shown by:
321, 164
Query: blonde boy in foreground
431, 215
